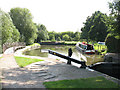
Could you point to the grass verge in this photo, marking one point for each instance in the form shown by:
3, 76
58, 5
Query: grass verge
0, 57
35, 44
95, 82
23, 61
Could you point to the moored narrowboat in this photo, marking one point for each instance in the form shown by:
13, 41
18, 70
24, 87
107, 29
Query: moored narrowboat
85, 48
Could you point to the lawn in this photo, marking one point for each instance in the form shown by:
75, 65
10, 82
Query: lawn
0, 57
95, 82
23, 61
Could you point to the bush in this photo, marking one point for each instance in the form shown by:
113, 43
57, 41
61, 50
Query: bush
113, 44
35, 44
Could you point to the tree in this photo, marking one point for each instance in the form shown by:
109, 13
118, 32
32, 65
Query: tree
22, 19
77, 36
59, 39
51, 37
115, 13
95, 27
86, 28
42, 33
69, 33
113, 38
56, 35
8, 31
66, 37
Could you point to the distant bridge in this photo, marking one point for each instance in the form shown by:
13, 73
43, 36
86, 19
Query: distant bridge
15, 45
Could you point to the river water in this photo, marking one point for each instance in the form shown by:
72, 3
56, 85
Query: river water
63, 49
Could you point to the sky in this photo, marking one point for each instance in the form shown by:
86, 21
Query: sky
59, 15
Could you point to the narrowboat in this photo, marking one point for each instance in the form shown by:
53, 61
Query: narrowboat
85, 48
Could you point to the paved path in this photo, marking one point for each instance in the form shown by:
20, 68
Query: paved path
32, 76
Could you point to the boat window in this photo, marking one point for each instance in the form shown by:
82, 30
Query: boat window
79, 45
89, 47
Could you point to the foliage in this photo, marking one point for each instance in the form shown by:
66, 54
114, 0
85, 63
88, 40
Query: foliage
59, 39
94, 82
73, 36
35, 44
115, 13
54, 35
113, 38
8, 31
113, 44
42, 33
77, 36
22, 19
23, 61
95, 27
66, 37
51, 37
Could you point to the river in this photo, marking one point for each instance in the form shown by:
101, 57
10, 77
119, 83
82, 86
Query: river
63, 49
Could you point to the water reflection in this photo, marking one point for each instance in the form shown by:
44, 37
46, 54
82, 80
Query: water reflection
63, 49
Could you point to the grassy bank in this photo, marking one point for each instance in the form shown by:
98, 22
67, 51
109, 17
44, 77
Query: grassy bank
96, 82
23, 61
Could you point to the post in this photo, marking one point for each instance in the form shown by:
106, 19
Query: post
69, 54
83, 65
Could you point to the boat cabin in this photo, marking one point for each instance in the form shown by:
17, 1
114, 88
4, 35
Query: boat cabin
86, 48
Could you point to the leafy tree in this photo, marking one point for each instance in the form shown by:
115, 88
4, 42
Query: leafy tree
8, 31
115, 13
113, 38
69, 33
42, 33
59, 39
66, 37
56, 34
52, 37
22, 19
77, 36
86, 28
95, 27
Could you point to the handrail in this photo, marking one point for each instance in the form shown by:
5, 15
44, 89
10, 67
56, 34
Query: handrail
83, 63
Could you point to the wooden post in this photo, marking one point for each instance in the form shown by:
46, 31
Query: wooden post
69, 62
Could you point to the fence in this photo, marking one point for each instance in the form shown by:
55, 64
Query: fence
14, 44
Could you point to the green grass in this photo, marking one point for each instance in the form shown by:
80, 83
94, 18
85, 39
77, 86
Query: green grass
100, 47
23, 61
96, 82
35, 44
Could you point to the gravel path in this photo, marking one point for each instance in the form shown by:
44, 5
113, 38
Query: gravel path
32, 76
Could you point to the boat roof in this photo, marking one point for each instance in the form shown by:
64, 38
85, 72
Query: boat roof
83, 43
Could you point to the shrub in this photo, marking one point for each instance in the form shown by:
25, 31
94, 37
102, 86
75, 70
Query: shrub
113, 44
